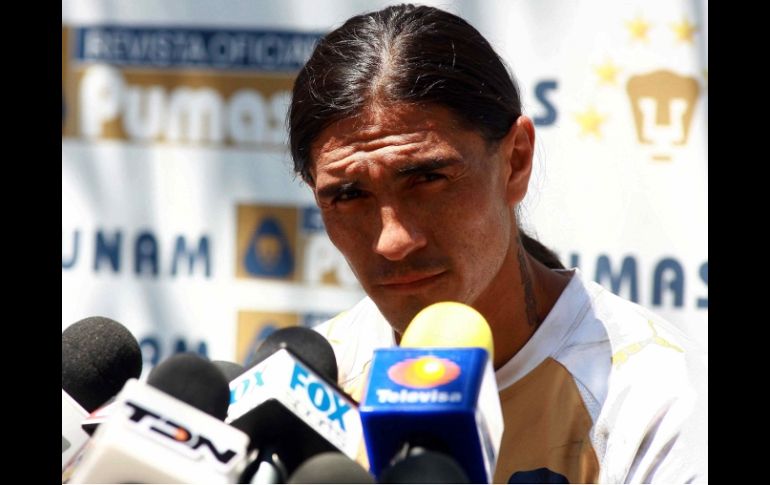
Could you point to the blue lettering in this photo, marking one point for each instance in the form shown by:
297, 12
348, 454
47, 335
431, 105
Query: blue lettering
180, 346
311, 219
574, 260
146, 254
341, 407
109, 250
627, 273
69, 263
316, 391
150, 350
240, 390
298, 377
675, 282
703, 302
541, 90
180, 250
188, 256
319, 395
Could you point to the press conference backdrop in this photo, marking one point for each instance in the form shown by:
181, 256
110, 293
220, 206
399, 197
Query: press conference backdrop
181, 217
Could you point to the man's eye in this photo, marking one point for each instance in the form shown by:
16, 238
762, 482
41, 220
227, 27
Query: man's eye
347, 195
430, 177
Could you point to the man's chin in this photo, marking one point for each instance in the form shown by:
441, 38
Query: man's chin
399, 315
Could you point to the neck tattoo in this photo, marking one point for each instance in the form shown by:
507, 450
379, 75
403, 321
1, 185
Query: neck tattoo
529, 291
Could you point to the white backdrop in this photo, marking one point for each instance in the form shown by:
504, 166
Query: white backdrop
181, 217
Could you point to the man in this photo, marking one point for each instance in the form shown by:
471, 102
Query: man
408, 128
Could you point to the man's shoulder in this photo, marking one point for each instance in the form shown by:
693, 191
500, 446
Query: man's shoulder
354, 335
618, 349
338, 328
631, 327
657, 390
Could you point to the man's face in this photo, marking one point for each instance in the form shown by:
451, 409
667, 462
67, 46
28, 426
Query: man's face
418, 206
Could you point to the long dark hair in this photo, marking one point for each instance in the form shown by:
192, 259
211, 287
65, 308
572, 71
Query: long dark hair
405, 53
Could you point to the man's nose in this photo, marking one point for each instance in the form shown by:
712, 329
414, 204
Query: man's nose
399, 235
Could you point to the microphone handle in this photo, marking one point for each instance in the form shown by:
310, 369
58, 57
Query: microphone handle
266, 469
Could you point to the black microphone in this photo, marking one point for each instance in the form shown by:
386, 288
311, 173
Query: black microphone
193, 380
425, 467
290, 409
98, 356
310, 346
230, 370
330, 467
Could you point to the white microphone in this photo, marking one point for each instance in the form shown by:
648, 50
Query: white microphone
152, 437
288, 408
73, 437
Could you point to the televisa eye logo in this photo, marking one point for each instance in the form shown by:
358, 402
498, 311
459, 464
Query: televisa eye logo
424, 372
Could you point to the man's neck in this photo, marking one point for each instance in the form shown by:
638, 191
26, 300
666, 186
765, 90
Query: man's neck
520, 302
525, 294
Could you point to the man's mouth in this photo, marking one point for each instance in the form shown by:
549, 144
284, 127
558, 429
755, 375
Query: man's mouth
410, 281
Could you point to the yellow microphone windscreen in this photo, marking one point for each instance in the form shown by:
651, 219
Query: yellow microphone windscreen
449, 324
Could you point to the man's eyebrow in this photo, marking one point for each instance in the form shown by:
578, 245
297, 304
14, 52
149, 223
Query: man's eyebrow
334, 189
412, 168
425, 166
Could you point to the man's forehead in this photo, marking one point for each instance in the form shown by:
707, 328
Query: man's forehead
399, 127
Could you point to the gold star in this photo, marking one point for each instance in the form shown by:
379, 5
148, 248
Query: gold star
590, 121
638, 28
684, 30
607, 72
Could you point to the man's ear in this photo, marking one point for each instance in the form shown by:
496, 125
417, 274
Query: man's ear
517, 150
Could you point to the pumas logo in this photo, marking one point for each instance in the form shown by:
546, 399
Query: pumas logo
424, 372
656, 68
663, 104
290, 244
254, 327
269, 252
143, 84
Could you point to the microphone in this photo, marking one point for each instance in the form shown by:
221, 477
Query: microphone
230, 370
330, 467
425, 467
92, 422
317, 352
437, 392
168, 430
98, 356
193, 380
290, 409
73, 437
